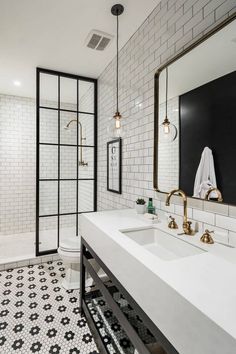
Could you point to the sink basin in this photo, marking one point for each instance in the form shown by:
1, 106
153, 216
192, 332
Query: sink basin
163, 245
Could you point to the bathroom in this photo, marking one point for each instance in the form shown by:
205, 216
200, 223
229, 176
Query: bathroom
69, 170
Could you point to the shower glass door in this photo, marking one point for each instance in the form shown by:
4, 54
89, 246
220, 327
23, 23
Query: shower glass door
66, 155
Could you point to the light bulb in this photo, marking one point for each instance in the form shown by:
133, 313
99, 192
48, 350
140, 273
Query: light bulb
117, 124
166, 128
115, 129
167, 131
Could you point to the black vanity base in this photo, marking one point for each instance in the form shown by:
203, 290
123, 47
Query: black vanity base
117, 322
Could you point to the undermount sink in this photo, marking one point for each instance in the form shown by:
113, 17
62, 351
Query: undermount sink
162, 244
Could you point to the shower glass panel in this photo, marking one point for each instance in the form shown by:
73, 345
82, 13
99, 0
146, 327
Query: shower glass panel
48, 87
85, 192
66, 155
86, 154
86, 96
68, 197
68, 162
67, 226
48, 198
88, 129
68, 136
48, 164
68, 94
48, 234
48, 126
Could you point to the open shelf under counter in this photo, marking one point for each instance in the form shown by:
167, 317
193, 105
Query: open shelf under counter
117, 322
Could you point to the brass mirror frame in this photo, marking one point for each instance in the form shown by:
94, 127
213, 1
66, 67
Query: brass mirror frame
224, 23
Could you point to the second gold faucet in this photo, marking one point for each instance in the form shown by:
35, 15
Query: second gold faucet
186, 224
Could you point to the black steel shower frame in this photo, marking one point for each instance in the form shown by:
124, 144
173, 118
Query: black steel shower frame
78, 78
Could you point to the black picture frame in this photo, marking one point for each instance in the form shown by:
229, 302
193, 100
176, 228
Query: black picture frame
115, 147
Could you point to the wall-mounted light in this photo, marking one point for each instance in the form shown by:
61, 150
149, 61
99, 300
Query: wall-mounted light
115, 129
167, 131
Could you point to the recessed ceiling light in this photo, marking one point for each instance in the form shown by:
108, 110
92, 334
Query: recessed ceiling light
17, 83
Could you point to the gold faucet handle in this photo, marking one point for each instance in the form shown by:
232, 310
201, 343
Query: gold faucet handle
188, 229
172, 224
206, 237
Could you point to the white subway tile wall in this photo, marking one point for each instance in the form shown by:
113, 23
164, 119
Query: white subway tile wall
170, 28
18, 163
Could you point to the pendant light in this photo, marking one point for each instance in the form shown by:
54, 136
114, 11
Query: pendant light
167, 131
115, 126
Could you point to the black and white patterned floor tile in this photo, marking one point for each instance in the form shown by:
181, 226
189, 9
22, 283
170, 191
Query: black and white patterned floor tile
38, 316
111, 332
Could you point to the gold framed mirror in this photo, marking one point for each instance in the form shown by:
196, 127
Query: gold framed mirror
195, 75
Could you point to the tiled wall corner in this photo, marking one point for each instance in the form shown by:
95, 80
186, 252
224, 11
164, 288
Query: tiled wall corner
171, 27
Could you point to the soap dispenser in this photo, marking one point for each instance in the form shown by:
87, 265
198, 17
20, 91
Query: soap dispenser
150, 207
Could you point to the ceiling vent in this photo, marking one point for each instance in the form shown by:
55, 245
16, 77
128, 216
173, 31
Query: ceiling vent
98, 40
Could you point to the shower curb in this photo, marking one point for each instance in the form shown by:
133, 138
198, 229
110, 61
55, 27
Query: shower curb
31, 261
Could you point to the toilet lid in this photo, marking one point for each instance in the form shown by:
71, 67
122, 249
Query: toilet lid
71, 244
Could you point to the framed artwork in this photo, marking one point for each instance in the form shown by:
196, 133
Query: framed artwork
114, 152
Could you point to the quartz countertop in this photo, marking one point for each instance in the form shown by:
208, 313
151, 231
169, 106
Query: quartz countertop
192, 300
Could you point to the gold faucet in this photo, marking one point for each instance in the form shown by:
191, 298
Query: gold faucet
218, 192
186, 224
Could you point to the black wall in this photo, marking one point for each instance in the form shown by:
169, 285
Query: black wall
208, 118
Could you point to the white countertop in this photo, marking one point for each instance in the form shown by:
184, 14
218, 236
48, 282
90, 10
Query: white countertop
192, 300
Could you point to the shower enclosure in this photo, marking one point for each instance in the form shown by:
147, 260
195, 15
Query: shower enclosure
66, 107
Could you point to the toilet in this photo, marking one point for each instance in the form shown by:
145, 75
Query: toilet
69, 251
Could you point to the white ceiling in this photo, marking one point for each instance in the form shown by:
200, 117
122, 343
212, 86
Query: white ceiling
52, 33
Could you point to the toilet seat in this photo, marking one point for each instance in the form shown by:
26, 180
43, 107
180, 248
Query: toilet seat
64, 249
71, 244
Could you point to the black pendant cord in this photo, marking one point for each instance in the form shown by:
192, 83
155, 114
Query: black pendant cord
117, 10
166, 88
117, 62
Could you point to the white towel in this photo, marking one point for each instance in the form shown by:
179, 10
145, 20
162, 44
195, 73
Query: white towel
205, 176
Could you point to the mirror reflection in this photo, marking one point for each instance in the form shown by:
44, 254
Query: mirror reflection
196, 120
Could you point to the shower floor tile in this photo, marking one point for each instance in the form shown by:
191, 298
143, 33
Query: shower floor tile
38, 316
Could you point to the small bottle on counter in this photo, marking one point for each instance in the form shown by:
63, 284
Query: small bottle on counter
150, 207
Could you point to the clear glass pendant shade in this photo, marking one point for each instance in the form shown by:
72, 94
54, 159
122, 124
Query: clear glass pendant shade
167, 131
115, 128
